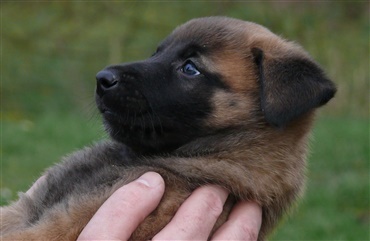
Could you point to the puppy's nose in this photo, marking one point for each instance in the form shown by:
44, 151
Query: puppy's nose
105, 80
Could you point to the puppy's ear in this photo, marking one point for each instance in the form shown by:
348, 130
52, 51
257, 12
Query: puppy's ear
290, 86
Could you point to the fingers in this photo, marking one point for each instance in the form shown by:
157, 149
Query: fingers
197, 215
122, 212
243, 224
120, 215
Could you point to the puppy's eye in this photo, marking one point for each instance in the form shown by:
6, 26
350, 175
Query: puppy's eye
189, 68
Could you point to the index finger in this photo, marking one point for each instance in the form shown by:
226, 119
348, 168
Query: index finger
122, 212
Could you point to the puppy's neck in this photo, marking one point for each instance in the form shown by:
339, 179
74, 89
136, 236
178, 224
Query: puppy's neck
241, 139
224, 141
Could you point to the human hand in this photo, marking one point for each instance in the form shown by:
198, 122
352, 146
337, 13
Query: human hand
121, 213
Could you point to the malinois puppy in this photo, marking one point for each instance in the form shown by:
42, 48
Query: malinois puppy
221, 101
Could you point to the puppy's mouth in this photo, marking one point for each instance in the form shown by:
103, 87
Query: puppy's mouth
126, 112
122, 107
135, 129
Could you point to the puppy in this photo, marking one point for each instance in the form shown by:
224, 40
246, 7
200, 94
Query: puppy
221, 101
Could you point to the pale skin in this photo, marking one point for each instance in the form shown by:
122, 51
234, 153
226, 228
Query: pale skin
122, 213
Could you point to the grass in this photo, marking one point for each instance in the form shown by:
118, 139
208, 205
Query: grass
30, 146
335, 207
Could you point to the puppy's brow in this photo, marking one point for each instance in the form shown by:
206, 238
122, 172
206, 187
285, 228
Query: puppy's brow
191, 51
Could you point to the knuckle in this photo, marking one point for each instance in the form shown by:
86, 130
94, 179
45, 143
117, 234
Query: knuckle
128, 203
213, 203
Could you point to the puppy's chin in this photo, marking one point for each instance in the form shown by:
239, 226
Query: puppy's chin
145, 136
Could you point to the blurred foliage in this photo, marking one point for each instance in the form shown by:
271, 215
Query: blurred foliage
52, 50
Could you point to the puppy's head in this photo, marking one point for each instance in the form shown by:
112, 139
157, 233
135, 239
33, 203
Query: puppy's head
210, 75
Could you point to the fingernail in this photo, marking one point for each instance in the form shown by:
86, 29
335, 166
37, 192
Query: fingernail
151, 179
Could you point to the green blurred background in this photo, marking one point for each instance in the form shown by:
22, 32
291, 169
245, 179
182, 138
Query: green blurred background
51, 52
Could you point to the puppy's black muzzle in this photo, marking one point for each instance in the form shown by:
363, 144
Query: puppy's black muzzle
118, 93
